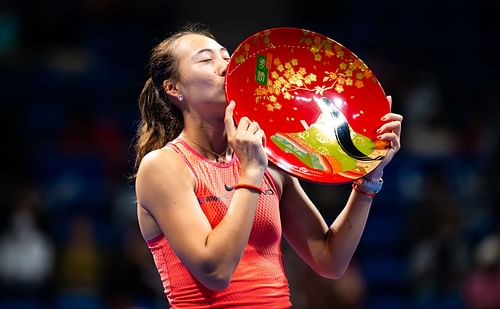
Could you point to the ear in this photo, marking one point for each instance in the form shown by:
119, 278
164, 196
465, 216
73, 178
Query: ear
170, 88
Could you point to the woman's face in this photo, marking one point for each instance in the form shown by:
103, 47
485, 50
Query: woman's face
202, 68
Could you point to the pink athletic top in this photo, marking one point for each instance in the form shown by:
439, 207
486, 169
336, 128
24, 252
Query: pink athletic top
259, 280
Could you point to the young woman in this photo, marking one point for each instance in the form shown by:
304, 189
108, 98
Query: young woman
210, 206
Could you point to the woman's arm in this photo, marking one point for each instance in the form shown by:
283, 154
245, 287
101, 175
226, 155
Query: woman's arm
165, 190
329, 249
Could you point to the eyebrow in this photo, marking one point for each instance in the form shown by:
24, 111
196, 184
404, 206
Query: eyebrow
210, 50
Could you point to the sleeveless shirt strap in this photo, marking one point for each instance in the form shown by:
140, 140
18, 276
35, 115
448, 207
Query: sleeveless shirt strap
173, 145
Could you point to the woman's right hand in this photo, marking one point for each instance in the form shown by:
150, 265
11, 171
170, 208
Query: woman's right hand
247, 141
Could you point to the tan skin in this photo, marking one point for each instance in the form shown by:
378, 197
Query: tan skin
165, 186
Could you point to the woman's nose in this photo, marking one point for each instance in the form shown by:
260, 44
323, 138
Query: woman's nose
222, 67
223, 73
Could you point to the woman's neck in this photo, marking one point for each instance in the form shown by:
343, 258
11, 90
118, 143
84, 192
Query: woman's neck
210, 140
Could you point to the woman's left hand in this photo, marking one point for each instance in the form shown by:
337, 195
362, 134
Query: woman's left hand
390, 131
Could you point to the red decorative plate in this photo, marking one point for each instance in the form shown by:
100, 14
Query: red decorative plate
317, 102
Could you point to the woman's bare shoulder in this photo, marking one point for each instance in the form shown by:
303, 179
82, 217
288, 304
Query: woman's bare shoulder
159, 160
163, 166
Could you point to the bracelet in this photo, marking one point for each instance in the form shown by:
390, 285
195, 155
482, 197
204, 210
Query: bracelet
249, 187
363, 192
367, 187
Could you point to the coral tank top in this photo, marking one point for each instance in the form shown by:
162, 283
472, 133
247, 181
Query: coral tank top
259, 280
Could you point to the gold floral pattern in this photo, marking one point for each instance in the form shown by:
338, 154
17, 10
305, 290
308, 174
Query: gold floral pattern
288, 75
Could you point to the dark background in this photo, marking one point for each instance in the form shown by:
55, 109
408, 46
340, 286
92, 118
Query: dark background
71, 72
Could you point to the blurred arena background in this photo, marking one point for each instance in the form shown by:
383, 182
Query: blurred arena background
70, 74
